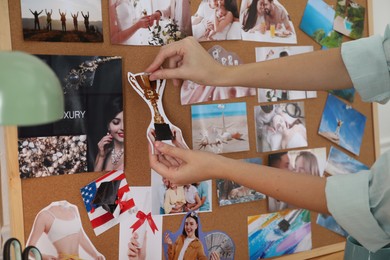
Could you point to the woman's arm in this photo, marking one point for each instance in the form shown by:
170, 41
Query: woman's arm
280, 184
296, 72
86, 244
198, 202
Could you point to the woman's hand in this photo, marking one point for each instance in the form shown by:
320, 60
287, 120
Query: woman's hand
102, 144
167, 239
134, 251
194, 166
183, 58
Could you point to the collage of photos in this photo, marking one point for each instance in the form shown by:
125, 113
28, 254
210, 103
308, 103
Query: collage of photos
91, 136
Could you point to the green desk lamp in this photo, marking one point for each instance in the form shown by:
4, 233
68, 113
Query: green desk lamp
30, 92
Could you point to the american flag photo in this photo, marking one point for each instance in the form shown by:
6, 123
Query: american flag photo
106, 199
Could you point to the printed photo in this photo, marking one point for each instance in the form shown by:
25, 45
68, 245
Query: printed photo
280, 126
192, 92
216, 20
160, 128
200, 244
266, 21
349, 18
140, 232
341, 163
59, 21
220, 128
230, 193
342, 124
58, 233
149, 22
168, 198
346, 94
220, 243
279, 233
92, 86
310, 161
317, 22
106, 200
53, 155
270, 53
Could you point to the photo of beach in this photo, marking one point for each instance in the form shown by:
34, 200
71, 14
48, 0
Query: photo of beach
341, 163
220, 128
317, 22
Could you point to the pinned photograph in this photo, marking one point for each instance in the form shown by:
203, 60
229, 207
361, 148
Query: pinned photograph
341, 163
216, 20
160, 128
270, 53
266, 21
140, 232
59, 21
192, 92
347, 94
220, 128
149, 22
310, 161
342, 124
57, 232
52, 155
317, 22
92, 86
106, 199
349, 18
279, 233
230, 192
202, 245
168, 198
280, 126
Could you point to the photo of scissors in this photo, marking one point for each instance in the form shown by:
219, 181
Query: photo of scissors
18, 253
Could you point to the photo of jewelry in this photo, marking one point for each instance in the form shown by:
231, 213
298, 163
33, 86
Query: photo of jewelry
84, 75
116, 156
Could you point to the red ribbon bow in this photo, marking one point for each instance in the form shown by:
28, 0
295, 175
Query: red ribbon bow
141, 219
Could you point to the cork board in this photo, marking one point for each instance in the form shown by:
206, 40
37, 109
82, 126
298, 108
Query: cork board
38, 193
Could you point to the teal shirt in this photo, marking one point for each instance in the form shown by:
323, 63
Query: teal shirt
360, 202
203, 191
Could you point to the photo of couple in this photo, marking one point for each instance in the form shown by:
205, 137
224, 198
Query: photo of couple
266, 21
170, 198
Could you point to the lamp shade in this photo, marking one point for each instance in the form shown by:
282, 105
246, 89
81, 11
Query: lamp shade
30, 92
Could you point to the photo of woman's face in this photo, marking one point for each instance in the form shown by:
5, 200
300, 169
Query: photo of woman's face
116, 128
190, 226
300, 165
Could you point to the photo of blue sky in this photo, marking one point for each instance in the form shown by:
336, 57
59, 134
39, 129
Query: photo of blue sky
317, 15
353, 123
341, 163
